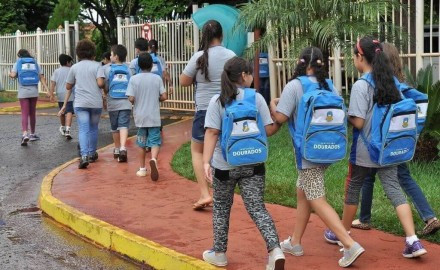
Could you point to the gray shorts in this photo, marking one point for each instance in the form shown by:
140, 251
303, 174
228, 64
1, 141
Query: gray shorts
387, 176
311, 181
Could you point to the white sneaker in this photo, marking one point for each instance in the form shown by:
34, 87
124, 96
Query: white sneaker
141, 173
296, 250
215, 258
62, 131
67, 134
276, 260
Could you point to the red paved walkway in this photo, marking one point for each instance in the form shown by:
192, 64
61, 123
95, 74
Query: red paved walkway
162, 212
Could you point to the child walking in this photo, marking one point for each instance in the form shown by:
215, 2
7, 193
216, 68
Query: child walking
88, 100
146, 91
58, 85
29, 74
370, 60
114, 78
310, 184
408, 184
236, 76
140, 46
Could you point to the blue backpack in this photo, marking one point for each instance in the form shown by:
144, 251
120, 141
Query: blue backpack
118, 79
28, 71
319, 131
393, 130
243, 136
421, 100
157, 66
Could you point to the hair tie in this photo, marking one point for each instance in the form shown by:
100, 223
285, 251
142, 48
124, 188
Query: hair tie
378, 50
319, 62
375, 41
302, 60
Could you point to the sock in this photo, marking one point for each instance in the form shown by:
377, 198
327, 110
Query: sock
67, 128
411, 239
142, 169
123, 148
63, 127
116, 150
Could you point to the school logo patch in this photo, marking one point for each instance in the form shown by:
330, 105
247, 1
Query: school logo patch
245, 127
405, 122
329, 117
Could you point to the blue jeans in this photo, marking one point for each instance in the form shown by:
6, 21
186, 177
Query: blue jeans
88, 120
408, 184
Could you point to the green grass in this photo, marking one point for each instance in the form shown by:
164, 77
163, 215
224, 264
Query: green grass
6, 96
281, 179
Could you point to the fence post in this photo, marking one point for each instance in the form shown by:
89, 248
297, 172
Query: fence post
119, 26
128, 31
272, 67
196, 40
337, 76
67, 37
60, 40
76, 31
18, 40
419, 34
38, 52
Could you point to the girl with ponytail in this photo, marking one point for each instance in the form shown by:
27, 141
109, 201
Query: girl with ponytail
236, 76
310, 184
369, 57
204, 69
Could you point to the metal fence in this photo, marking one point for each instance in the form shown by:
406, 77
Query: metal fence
45, 46
178, 40
422, 48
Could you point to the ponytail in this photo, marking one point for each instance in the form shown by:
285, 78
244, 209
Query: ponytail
210, 31
231, 76
311, 57
386, 91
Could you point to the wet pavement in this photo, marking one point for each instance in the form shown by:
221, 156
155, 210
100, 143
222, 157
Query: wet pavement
29, 240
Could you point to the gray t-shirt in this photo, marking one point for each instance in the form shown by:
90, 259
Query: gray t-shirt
288, 105
214, 118
29, 91
59, 76
113, 104
205, 90
146, 89
83, 75
361, 105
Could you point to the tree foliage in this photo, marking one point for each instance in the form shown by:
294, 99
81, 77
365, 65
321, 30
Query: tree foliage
24, 15
65, 10
103, 14
163, 8
324, 24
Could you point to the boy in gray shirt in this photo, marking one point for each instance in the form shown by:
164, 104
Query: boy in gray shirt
118, 106
58, 85
146, 91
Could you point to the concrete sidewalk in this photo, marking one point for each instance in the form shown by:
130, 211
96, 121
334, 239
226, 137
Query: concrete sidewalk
162, 212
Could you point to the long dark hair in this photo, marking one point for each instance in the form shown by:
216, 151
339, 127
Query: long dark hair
312, 57
23, 53
372, 51
210, 31
231, 76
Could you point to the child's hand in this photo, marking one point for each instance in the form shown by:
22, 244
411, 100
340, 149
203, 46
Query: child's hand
208, 172
62, 110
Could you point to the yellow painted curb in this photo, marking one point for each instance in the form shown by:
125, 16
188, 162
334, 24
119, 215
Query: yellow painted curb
112, 237
39, 106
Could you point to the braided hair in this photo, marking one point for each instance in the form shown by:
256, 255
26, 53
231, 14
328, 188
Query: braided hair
210, 31
383, 76
311, 57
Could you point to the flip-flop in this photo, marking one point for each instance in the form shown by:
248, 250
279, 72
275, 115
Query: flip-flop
357, 224
200, 206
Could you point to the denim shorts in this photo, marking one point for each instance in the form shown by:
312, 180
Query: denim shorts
148, 137
198, 128
69, 106
119, 119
